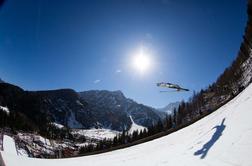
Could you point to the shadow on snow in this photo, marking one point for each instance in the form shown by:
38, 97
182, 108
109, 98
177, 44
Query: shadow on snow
204, 150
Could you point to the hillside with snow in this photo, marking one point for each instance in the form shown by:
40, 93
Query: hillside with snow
76, 110
135, 127
222, 138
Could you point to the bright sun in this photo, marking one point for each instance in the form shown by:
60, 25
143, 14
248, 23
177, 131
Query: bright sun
141, 61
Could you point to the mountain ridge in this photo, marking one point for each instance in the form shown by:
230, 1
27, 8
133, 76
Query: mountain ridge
170, 107
103, 109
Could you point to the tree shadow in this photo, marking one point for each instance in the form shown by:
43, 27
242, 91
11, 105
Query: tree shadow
204, 150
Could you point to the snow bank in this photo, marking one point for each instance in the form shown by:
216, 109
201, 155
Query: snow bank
9, 146
222, 138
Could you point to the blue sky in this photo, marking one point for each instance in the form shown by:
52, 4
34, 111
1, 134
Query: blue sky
84, 45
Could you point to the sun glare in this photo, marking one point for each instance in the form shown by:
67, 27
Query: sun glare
141, 61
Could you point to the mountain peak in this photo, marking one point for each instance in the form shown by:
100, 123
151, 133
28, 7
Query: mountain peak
112, 109
1, 81
102, 94
119, 93
170, 107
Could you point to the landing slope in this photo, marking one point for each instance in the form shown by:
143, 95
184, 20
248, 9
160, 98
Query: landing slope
222, 138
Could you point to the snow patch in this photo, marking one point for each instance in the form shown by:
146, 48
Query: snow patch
41, 140
22, 152
72, 122
135, 127
5, 109
60, 126
79, 103
85, 144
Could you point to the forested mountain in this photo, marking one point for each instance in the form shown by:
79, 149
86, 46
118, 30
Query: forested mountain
115, 107
34, 110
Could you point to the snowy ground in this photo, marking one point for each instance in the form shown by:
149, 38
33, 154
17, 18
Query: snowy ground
222, 138
97, 134
100, 134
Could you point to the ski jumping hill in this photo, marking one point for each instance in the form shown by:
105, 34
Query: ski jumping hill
222, 138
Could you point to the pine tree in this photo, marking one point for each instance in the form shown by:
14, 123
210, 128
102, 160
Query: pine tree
174, 123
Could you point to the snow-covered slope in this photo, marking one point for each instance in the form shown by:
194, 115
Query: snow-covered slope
222, 138
135, 127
